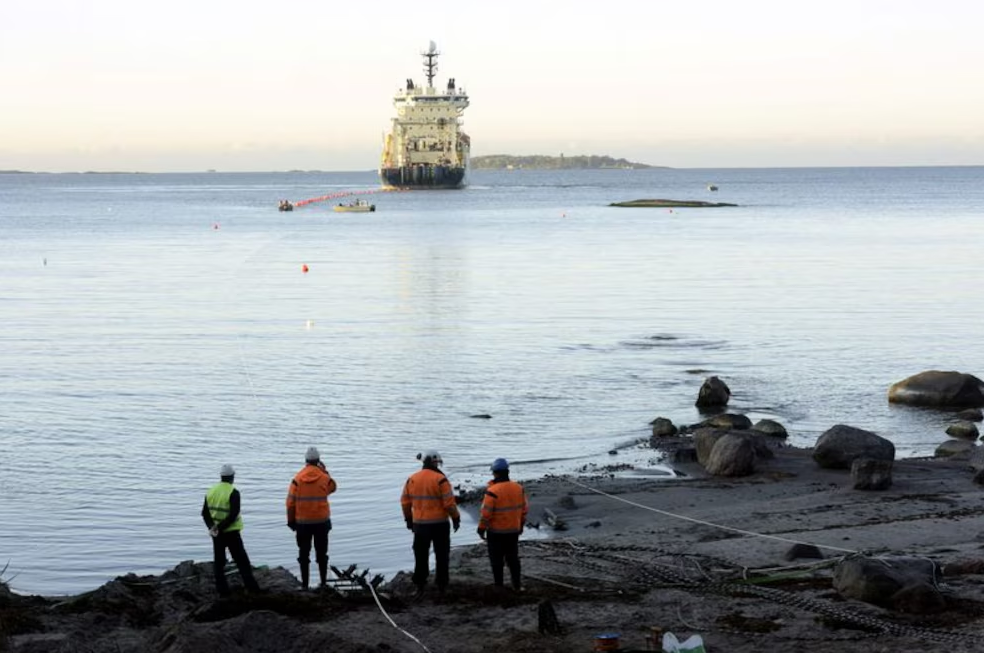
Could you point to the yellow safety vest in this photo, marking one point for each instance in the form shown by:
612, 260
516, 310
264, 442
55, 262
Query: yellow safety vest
218, 505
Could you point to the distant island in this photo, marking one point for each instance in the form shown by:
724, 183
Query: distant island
544, 162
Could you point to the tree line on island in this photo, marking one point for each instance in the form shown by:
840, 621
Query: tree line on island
544, 162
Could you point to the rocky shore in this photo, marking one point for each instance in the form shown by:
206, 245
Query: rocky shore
695, 554
751, 544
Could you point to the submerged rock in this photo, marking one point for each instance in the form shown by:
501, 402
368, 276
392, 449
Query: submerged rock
939, 389
661, 203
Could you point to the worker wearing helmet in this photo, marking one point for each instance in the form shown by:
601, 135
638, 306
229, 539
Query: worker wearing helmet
309, 514
225, 523
504, 509
427, 503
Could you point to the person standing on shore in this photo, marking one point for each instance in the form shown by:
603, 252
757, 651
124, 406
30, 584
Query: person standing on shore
309, 514
504, 509
221, 514
427, 502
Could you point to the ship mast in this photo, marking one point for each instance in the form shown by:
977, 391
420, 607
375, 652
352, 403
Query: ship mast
430, 63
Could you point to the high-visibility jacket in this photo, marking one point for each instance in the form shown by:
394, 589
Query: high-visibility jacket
427, 498
218, 503
504, 507
307, 496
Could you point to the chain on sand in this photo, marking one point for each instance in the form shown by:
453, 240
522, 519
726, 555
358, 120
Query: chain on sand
624, 563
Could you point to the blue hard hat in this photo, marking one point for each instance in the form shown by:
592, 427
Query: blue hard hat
500, 465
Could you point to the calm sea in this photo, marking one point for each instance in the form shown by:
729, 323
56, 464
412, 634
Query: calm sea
156, 326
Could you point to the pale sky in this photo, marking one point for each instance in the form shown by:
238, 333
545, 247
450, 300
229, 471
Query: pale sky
308, 84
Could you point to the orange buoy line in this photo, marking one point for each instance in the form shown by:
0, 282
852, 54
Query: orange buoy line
344, 193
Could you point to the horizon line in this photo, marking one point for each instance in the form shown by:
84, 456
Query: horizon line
14, 171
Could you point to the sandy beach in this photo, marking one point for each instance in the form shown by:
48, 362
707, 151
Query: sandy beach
688, 555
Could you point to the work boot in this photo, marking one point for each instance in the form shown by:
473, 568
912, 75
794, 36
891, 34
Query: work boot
305, 573
323, 572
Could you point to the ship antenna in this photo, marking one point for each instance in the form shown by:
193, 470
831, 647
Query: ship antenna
430, 63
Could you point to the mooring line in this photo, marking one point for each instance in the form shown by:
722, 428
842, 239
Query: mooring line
707, 523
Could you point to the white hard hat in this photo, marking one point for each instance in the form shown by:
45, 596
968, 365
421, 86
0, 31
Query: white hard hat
227, 470
312, 455
431, 455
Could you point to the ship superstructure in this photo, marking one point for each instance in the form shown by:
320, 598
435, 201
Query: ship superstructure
425, 147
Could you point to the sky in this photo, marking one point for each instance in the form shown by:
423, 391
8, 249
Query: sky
308, 84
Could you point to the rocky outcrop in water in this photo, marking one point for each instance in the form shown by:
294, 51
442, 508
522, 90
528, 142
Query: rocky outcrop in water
938, 389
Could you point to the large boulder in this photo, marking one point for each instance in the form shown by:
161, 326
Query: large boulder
840, 445
732, 455
907, 584
939, 389
704, 441
714, 393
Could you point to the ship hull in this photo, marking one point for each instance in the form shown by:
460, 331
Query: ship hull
423, 177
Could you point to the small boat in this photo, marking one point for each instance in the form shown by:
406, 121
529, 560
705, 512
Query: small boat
711, 187
358, 206
285, 205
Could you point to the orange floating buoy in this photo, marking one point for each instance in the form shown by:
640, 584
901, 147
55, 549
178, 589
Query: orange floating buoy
304, 268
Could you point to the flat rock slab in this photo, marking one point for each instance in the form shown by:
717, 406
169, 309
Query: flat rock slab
691, 204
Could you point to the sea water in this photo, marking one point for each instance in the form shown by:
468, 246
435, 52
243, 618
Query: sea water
156, 326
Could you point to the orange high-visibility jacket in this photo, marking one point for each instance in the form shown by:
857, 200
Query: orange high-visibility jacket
504, 507
427, 498
307, 496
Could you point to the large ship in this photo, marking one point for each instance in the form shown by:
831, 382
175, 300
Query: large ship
425, 147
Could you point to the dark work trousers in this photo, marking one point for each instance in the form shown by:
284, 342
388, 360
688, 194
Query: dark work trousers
317, 533
504, 548
423, 536
233, 541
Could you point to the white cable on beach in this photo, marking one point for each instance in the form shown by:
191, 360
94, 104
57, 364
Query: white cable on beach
707, 523
393, 623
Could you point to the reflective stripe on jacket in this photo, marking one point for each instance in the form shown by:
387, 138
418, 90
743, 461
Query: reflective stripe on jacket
504, 507
217, 499
427, 498
307, 496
